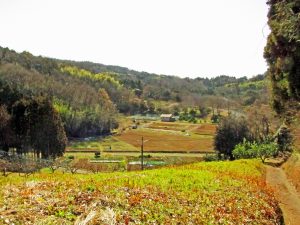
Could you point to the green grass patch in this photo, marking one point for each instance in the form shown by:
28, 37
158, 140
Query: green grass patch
101, 144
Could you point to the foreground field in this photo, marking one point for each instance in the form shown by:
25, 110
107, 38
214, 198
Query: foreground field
202, 193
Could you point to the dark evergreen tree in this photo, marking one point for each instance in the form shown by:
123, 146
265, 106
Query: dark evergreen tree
230, 132
47, 134
6, 134
283, 54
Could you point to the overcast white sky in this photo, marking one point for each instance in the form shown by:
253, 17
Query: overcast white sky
175, 37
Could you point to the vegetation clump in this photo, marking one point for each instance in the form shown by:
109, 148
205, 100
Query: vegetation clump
230, 132
32, 125
248, 150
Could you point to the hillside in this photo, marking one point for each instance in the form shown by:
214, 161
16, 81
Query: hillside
163, 87
89, 96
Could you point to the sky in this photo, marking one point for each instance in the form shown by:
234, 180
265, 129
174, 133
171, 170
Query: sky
186, 38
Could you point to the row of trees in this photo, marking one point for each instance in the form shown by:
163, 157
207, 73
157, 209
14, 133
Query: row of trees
32, 125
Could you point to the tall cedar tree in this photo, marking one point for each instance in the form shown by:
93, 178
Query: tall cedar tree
46, 130
283, 55
38, 128
6, 134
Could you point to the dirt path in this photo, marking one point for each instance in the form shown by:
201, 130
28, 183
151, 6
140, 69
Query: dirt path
286, 194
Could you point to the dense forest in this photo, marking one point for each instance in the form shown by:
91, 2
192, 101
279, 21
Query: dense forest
90, 96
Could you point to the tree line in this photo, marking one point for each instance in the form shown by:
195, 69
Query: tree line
30, 125
89, 96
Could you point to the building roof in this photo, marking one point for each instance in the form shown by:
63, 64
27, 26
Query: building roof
166, 115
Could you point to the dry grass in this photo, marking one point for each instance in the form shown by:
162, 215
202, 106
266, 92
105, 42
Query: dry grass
205, 129
292, 169
169, 126
297, 138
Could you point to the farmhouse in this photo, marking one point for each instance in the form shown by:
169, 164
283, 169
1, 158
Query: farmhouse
167, 118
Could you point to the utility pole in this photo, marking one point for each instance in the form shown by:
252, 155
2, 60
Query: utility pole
142, 154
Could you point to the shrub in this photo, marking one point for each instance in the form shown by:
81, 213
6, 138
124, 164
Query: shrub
97, 155
145, 156
215, 118
284, 138
210, 157
244, 150
192, 120
248, 150
71, 157
266, 150
230, 132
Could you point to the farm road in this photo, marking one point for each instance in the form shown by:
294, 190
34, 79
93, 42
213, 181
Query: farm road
286, 194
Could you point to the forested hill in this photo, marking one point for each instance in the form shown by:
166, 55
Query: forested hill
166, 87
89, 96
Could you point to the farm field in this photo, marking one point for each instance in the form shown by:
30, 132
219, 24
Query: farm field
158, 136
201, 193
101, 144
168, 141
136, 154
208, 129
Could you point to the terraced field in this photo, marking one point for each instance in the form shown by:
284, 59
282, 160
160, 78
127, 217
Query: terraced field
158, 140
158, 136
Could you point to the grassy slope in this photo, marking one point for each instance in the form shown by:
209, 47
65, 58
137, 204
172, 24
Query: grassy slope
202, 193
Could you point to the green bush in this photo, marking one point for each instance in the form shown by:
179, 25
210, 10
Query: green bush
211, 157
248, 150
244, 150
97, 155
215, 119
145, 156
266, 150
71, 157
